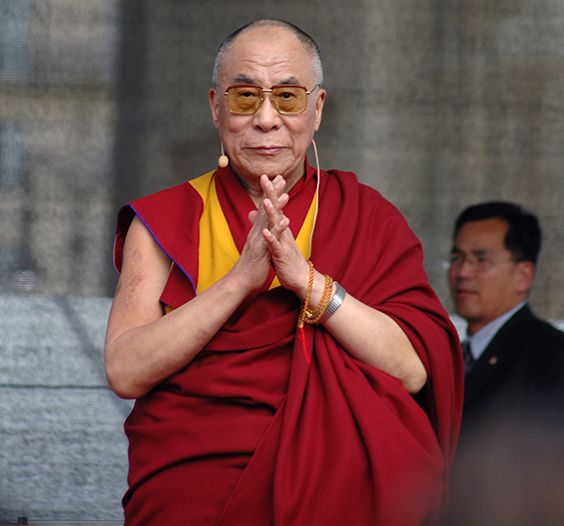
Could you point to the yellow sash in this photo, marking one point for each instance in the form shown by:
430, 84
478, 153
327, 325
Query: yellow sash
218, 252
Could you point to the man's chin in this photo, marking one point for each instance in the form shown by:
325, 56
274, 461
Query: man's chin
466, 312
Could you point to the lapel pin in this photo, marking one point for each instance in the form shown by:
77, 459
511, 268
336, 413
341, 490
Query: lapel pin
492, 360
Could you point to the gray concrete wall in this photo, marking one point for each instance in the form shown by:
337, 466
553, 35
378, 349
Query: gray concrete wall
63, 454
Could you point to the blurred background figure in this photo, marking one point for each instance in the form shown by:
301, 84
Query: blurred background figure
509, 466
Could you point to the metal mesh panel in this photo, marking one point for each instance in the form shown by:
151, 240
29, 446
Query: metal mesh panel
57, 113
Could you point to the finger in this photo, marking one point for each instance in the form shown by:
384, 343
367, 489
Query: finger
279, 228
274, 214
274, 235
266, 184
279, 183
272, 189
276, 204
269, 236
273, 241
282, 201
260, 216
270, 209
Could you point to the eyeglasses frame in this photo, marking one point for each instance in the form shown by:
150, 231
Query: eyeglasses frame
269, 90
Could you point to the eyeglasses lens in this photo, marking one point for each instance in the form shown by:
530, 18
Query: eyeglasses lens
246, 100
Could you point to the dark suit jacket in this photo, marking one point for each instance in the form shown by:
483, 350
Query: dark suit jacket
521, 371
509, 467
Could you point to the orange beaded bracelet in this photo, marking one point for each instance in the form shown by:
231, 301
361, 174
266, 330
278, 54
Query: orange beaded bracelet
314, 316
305, 304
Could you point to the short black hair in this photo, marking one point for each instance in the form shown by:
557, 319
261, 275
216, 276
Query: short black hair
523, 237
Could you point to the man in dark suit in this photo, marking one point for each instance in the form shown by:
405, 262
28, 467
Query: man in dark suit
510, 460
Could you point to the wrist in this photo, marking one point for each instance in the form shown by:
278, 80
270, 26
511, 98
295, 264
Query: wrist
239, 280
302, 284
320, 286
320, 300
336, 300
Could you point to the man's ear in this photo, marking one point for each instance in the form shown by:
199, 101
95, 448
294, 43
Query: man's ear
213, 100
319, 102
526, 275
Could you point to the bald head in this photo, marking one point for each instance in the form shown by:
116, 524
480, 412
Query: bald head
309, 45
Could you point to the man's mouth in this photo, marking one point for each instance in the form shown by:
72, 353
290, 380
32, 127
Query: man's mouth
267, 150
465, 293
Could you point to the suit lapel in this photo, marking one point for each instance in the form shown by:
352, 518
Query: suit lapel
498, 355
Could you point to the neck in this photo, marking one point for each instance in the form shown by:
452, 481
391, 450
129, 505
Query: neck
475, 326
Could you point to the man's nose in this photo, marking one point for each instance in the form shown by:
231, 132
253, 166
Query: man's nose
465, 268
267, 117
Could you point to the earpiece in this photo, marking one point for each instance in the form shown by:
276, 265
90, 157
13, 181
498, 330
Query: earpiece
223, 160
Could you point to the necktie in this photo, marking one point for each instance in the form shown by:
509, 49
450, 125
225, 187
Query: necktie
467, 354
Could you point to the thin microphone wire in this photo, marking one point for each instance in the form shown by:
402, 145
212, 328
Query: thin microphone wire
316, 193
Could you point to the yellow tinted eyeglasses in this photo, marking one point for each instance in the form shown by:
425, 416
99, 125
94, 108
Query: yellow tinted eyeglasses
287, 99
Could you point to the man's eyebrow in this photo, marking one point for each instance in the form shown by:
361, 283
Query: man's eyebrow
474, 252
481, 252
244, 79
289, 80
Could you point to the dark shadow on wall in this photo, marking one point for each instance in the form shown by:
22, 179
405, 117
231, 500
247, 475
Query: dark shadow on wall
130, 103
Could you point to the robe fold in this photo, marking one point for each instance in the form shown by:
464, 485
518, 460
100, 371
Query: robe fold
263, 427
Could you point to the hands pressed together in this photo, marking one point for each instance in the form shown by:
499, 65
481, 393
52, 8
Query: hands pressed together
270, 242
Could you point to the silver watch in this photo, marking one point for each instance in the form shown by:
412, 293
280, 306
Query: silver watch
335, 302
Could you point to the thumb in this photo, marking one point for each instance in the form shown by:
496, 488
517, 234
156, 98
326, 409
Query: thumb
253, 216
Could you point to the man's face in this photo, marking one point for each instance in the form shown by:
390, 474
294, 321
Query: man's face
484, 280
267, 142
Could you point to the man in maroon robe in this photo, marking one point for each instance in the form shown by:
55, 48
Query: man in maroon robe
242, 414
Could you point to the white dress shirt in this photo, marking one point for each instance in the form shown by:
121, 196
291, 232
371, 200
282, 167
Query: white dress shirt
480, 340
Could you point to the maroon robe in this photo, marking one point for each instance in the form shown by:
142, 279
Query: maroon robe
257, 429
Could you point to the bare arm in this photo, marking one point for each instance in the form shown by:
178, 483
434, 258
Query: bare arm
142, 346
366, 333
376, 339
